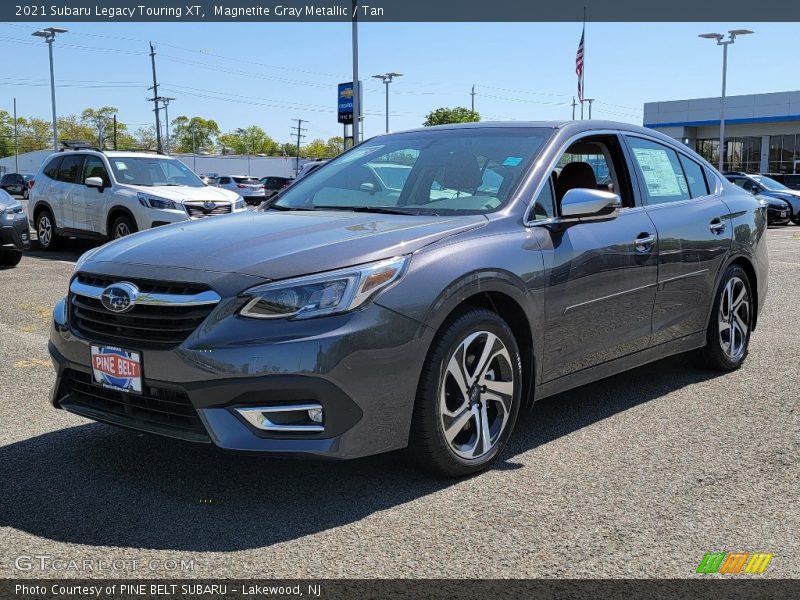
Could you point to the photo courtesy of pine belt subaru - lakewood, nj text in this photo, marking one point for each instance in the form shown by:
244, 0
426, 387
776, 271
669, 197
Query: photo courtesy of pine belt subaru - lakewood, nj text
107, 195
417, 291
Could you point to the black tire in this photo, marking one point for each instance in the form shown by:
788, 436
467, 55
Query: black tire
428, 445
10, 258
796, 220
715, 354
46, 230
122, 226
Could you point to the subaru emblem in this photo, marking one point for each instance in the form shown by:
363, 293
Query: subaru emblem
119, 297
209, 205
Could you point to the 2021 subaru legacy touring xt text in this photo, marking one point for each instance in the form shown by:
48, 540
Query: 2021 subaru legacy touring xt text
362, 313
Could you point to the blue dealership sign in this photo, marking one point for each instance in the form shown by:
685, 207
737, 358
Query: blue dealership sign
345, 104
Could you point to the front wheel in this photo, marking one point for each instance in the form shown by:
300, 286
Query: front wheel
122, 227
468, 396
46, 230
728, 334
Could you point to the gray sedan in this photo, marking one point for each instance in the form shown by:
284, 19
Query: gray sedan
504, 264
14, 233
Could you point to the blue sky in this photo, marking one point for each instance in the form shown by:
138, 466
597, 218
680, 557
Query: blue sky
270, 73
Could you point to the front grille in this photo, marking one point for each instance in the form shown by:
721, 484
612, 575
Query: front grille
159, 409
157, 326
197, 210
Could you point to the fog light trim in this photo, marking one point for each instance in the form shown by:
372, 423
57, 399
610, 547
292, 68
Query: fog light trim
258, 417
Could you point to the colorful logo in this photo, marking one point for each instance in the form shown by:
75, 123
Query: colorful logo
731, 563
117, 368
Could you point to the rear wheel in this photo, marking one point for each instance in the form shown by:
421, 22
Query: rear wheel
25, 193
468, 396
122, 226
46, 230
728, 334
10, 258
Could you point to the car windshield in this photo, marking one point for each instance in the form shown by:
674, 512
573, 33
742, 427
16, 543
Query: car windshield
444, 171
141, 170
769, 183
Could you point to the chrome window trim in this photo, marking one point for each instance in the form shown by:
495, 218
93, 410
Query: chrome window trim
203, 298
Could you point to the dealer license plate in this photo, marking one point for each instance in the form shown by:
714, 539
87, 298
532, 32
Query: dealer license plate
117, 369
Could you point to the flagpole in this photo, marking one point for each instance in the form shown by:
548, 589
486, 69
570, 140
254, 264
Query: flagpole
583, 70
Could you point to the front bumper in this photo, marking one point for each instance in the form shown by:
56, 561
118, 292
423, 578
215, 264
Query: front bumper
14, 231
362, 368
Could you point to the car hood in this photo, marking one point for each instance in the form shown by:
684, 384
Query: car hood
180, 193
277, 245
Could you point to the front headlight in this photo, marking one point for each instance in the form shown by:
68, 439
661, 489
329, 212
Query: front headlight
156, 202
239, 204
324, 294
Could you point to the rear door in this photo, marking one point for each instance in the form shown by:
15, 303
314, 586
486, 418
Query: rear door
65, 188
694, 235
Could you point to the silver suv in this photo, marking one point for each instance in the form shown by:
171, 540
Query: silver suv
109, 195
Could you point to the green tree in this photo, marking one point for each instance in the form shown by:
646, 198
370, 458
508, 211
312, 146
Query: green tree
101, 121
184, 129
34, 134
73, 128
6, 134
250, 140
315, 149
335, 145
144, 138
443, 116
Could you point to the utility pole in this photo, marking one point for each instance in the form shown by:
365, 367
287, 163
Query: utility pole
387, 78
472, 93
298, 131
194, 152
155, 97
574, 104
165, 100
589, 102
16, 139
115, 131
356, 83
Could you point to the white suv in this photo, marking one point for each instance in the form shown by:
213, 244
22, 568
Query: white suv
108, 195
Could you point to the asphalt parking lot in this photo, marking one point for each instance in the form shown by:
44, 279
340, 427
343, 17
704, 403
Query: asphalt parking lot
636, 476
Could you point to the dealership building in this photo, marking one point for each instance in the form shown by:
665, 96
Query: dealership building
762, 131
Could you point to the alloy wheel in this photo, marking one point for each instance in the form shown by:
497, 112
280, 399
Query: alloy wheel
734, 318
44, 231
121, 230
476, 395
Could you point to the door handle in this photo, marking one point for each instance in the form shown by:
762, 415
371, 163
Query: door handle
717, 225
644, 242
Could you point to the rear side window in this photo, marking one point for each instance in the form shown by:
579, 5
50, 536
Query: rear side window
70, 168
224, 179
694, 177
51, 170
661, 171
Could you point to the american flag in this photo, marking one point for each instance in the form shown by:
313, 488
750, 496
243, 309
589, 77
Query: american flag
579, 65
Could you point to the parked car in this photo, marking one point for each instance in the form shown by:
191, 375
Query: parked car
14, 234
344, 321
766, 186
108, 195
249, 188
17, 183
790, 180
209, 180
273, 185
778, 211
308, 168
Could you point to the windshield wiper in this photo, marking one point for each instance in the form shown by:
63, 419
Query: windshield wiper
385, 210
279, 207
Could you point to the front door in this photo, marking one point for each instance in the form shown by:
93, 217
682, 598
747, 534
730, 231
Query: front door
601, 275
88, 203
694, 235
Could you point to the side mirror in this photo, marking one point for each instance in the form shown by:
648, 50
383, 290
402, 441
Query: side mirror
367, 187
95, 182
587, 204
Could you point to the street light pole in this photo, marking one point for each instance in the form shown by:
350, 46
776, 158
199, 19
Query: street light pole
49, 35
165, 101
721, 41
386, 78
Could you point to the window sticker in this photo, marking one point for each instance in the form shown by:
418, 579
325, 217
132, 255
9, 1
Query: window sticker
659, 176
120, 165
512, 161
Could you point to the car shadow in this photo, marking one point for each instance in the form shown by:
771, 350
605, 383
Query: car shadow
70, 249
102, 486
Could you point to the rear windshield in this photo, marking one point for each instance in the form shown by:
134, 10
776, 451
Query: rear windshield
442, 171
248, 180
